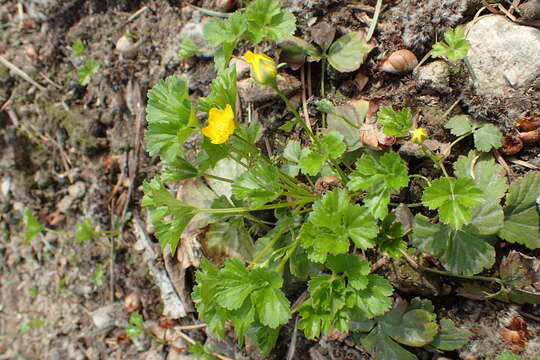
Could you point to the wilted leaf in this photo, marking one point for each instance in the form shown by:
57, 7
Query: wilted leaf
348, 52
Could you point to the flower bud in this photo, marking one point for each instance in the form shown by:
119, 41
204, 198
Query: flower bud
263, 68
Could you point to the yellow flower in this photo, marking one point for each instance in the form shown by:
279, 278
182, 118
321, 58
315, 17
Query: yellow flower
220, 125
263, 68
418, 135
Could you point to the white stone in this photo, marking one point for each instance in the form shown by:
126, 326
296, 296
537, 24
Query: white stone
503, 55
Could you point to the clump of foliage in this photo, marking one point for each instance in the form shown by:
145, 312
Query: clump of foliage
323, 238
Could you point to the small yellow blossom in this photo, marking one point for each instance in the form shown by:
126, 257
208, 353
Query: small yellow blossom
263, 68
418, 135
220, 125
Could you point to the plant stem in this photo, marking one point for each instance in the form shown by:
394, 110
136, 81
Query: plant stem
244, 209
219, 178
295, 112
268, 246
427, 56
420, 177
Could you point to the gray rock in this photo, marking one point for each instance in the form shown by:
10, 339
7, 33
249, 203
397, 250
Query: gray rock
435, 76
109, 315
503, 55
75, 192
251, 91
44, 10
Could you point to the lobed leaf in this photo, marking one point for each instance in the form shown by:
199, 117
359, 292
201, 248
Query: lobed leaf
33, 226
395, 123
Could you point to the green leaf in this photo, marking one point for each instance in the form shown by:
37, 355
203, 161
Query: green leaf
200, 352
266, 19
521, 213
454, 47
488, 176
135, 326
225, 31
325, 106
453, 198
460, 252
375, 299
487, 137
264, 337
169, 215
235, 285
210, 154
332, 145
382, 347
380, 175
258, 186
415, 327
272, 306
223, 91
348, 52
508, 355
85, 231
487, 218
170, 118
98, 274
450, 337
311, 162
390, 238
332, 223
460, 125
84, 73
187, 48
395, 123
77, 48
179, 169
33, 226
293, 151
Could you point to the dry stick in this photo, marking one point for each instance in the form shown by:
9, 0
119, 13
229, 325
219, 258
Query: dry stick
502, 162
191, 327
47, 79
193, 342
292, 346
374, 21
524, 163
304, 100
21, 73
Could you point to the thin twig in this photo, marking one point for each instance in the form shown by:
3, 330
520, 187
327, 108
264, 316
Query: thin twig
47, 79
21, 73
374, 21
191, 327
445, 115
304, 100
193, 342
292, 346
502, 162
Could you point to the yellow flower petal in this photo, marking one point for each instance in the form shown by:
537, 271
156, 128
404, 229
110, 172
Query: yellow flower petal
263, 68
220, 125
418, 135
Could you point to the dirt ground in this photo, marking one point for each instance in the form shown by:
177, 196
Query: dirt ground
68, 152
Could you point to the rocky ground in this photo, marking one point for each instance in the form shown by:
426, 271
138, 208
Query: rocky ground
71, 152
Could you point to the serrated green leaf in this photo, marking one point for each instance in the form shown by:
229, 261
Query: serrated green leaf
460, 252
380, 175
266, 19
170, 117
272, 307
135, 326
390, 238
375, 299
77, 48
395, 123
454, 47
235, 285
450, 337
200, 352
521, 213
84, 73
332, 145
348, 52
311, 162
225, 31
223, 91
382, 347
487, 137
33, 226
169, 215
459, 125
332, 223
487, 218
210, 154
415, 327
488, 176
187, 48
98, 274
258, 186
264, 337
453, 198
179, 169
293, 151
85, 231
